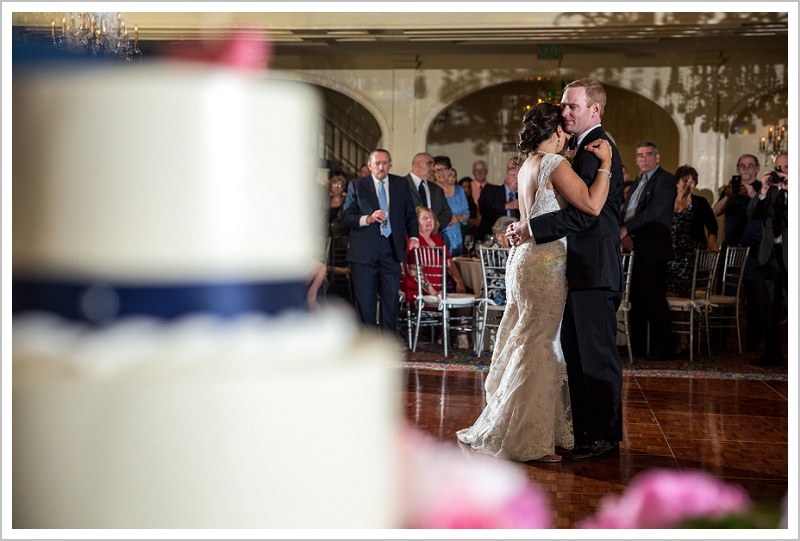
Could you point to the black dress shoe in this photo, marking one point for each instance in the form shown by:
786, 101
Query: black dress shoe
597, 450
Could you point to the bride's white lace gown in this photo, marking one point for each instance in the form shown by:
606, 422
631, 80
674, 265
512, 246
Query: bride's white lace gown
528, 410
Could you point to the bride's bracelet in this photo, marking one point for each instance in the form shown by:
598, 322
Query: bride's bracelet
606, 171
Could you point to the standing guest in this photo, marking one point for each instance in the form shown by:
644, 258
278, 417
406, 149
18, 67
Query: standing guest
364, 171
647, 229
379, 212
479, 171
336, 185
770, 206
424, 191
594, 280
692, 217
742, 230
457, 201
474, 215
499, 201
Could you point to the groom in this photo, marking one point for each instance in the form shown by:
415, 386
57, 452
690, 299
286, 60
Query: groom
594, 275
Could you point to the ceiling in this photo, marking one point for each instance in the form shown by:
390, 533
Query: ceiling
349, 34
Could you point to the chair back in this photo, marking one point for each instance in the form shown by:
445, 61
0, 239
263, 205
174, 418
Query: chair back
493, 267
705, 268
430, 263
733, 271
627, 272
338, 248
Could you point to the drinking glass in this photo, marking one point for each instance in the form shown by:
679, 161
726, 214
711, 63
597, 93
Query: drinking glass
469, 242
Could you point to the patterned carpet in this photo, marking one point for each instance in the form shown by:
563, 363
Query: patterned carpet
726, 364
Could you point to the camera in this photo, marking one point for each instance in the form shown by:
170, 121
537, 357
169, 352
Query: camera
774, 178
736, 183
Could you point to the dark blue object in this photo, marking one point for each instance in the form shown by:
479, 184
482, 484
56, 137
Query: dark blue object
102, 303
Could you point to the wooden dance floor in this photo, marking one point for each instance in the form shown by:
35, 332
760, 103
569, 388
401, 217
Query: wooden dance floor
735, 429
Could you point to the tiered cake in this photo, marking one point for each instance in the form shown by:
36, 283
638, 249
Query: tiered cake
161, 378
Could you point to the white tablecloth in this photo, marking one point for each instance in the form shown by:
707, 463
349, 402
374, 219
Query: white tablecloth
471, 272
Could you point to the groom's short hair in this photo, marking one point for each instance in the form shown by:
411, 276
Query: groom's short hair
595, 93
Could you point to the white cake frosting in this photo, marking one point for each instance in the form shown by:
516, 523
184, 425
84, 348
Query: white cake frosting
203, 423
172, 174
163, 172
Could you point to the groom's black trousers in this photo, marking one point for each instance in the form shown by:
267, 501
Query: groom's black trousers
589, 342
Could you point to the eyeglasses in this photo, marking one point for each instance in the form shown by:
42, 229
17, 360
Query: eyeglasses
746, 166
645, 154
440, 169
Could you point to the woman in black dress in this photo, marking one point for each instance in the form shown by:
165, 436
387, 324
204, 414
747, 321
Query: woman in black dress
693, 226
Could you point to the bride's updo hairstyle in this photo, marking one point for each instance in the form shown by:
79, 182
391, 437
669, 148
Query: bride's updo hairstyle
538, 124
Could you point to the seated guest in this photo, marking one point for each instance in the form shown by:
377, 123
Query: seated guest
427, 225
499, 229
497, 277
692, 217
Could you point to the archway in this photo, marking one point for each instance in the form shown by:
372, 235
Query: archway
350, 133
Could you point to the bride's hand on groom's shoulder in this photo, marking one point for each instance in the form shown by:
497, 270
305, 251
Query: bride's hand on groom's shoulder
600, 148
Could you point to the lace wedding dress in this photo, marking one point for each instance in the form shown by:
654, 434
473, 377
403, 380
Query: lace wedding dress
528, 410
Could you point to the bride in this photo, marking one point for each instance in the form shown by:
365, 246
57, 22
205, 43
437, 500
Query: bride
528, 410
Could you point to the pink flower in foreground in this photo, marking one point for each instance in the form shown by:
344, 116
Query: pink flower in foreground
665, 498
445, 488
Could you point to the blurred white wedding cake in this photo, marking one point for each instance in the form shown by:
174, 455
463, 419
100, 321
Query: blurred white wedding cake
161, 214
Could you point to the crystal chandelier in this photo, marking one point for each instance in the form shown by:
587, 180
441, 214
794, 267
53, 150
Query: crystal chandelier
97, 34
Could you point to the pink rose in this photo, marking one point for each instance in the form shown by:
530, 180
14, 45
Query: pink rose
447, 488
666, 498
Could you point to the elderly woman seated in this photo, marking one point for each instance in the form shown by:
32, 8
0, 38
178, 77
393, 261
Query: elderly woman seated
499, 231
496, 278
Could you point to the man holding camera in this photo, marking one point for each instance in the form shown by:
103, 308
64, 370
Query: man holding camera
740, 230
769, 205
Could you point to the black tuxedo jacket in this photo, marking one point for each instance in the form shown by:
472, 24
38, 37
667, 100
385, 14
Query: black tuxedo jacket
593, 253
651, 226
492, 205
767, 211
361, 200
438, 201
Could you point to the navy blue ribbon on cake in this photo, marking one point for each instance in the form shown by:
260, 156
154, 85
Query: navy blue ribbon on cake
102, 302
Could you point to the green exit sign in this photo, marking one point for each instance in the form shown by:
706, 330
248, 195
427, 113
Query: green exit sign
549, 51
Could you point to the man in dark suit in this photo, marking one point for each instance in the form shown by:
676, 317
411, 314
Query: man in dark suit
647, 229
496, 201
420, 184
379, 212
594, 277
772, 259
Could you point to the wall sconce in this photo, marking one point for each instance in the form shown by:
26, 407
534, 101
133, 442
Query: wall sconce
775, 142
